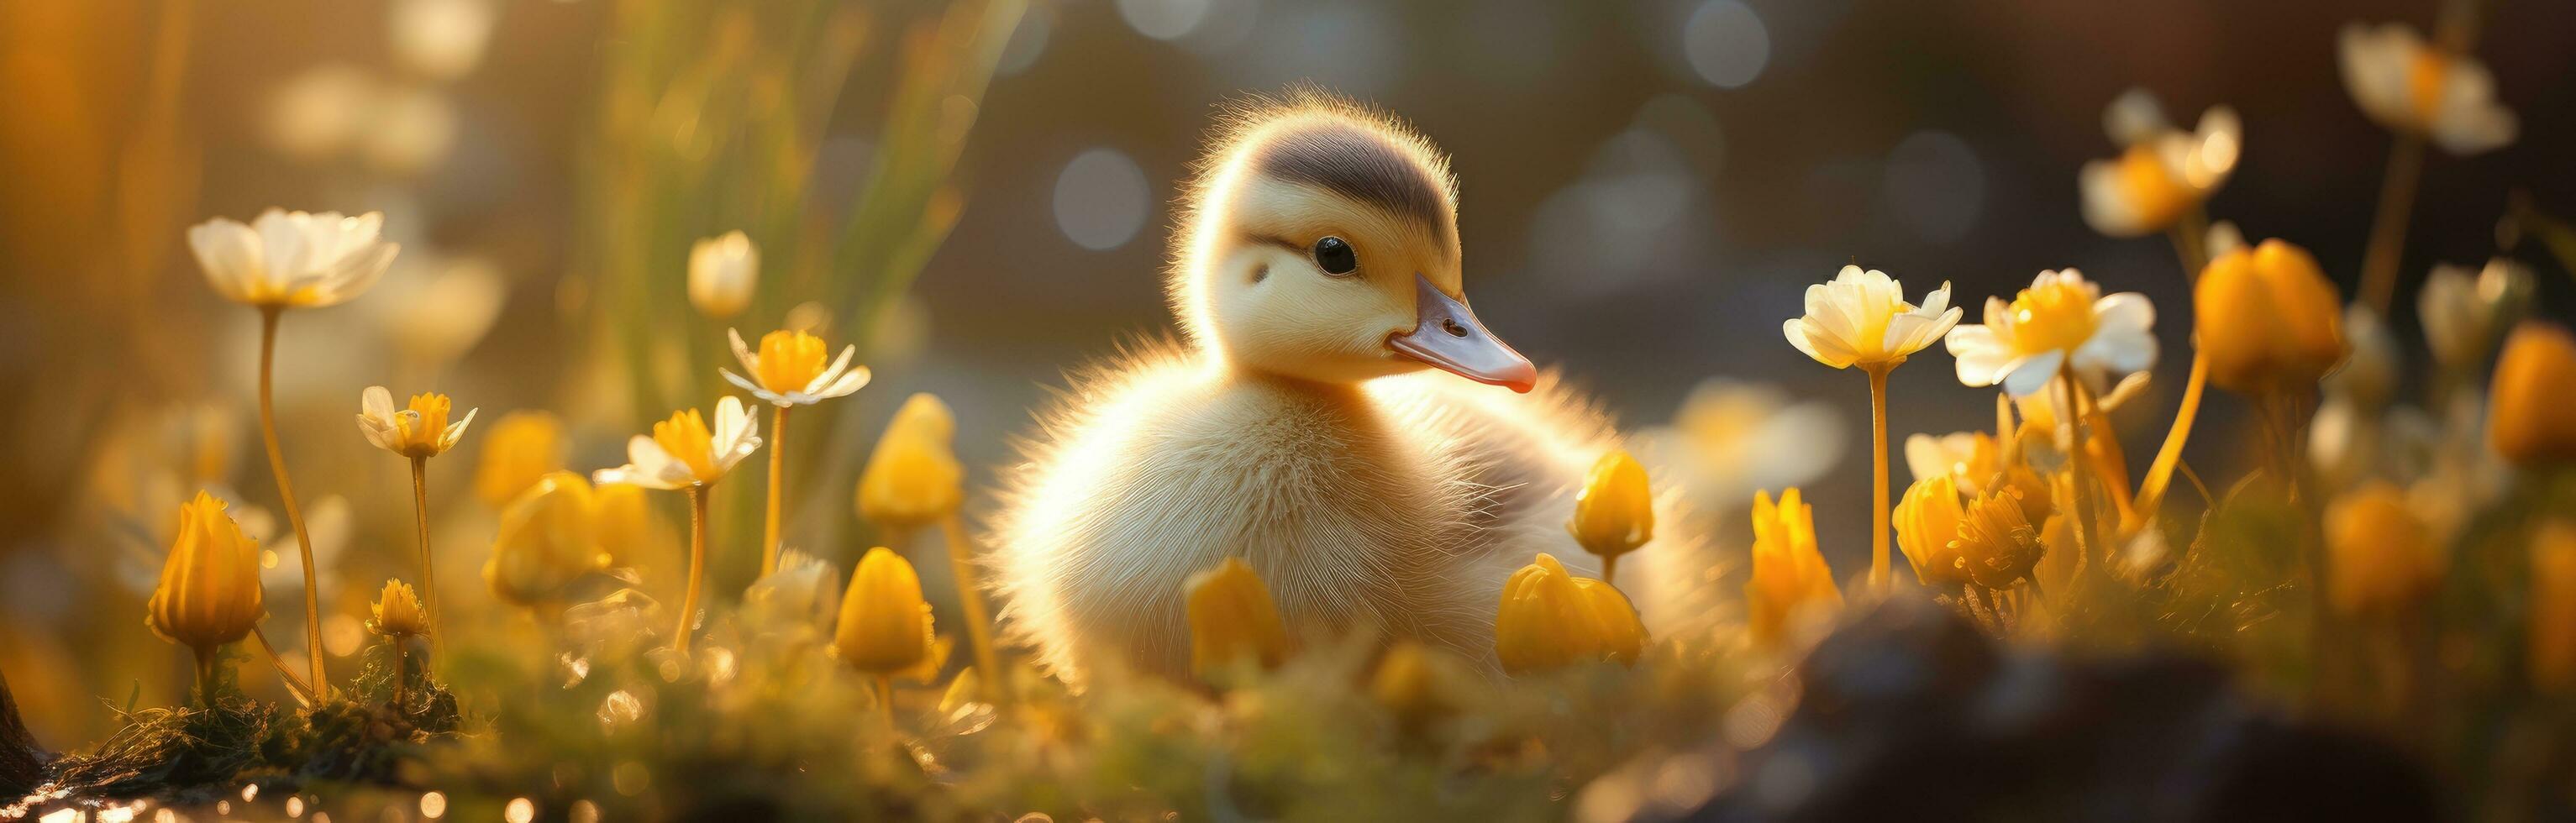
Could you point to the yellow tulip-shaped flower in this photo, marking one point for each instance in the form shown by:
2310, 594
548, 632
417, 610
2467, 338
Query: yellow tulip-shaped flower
418, 431
2268, 319
1549, 619
723, 273
2525, 423
1232, 620
885, 625
2552, 653
396, 612
523, 446
1927, 522
1789, 575
912, 478
2380, 556
548, 538
209, 593
1615, 511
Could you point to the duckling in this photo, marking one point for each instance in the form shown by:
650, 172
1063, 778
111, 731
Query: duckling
1312, 421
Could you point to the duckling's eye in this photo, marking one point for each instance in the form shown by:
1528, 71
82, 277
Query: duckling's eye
1335, 256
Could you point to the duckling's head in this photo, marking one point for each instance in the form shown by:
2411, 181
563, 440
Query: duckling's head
1321, 243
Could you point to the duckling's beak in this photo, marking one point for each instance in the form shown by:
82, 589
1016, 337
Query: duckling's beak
1448, 336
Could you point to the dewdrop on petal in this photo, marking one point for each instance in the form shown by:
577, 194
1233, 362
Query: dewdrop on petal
2528, 422
1232, 620
912, 478
723, 273
884, 628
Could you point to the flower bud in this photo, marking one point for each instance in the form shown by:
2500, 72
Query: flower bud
522, 447
723, 273
630, 532
913, 479
2380, 556
1550, 619
548, 538
1927, 521
1997, 545
2268, 319
396, 612
2525, 422
1615, 512
884, 628
209, 593
2553, 607
1415, 682
1789, 575
1233, 619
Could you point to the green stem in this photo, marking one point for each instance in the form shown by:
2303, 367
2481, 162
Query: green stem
2388, 229
268, 317
970, 599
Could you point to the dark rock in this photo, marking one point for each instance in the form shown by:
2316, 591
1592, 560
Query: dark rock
22, 764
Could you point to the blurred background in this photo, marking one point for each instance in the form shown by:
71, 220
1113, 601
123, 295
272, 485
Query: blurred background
979, 195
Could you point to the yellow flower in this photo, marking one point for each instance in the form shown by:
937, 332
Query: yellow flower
1927, 523
2380, 555
209, 593
523, 446
885, 625
292, 259
1615, 511
912, 478
1997, 543
1415, 682
683, 452
2164, 172
1550, 619
421, 430
2268, 319
1861, 317
629, 531
2411, 86
2553, 606
548, 538
2525, 422
1789, 575
1232, 619
2061, 321
723, 272
789, 369
396, 612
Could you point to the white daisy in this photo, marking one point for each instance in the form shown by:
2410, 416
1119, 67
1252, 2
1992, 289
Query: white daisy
2164, 172
682, 452
788, 370
1862, 317
2061, 321
2411, 86
292, 259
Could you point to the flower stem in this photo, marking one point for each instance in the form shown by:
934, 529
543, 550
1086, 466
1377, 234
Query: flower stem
303, 691
697, 564
428, 574
399, 675
2388, 230
885, 702
1610, 570
268, 317
970, 599
1878, 560
205, 675
2151, 492
2077, 468
777, 491
2191, 243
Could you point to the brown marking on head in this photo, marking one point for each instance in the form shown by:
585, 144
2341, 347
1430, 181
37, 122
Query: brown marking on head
1359, 164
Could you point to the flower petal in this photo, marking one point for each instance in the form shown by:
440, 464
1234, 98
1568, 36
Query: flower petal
2033, 372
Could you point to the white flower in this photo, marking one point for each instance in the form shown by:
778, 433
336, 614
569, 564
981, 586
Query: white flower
2061, 321
682, 452
2368, 375
439, 39
420, 430
2408, 85
1969, 458
1730, 438
1862, 317
2164, 171
722, 273
2462, 313
788, 370
292, 259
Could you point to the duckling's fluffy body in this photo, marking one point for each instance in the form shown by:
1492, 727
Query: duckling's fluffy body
1292, 430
